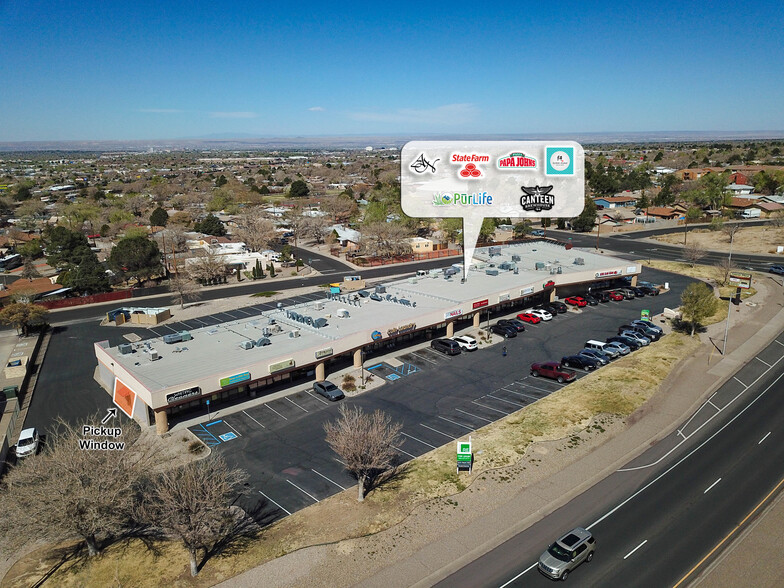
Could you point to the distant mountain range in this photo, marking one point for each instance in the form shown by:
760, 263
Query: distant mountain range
234, 142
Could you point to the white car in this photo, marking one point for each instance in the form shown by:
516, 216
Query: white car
28, 443
467, 343
619, 347
542, 314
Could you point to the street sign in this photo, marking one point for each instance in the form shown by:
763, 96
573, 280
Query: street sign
645, 315
741, 280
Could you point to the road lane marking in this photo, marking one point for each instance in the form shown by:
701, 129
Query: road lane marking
731, 533
474, 415
685, 457
303, 491
525, 571
635, 549
765, 437
254, 420
276, 412
415, 439
327, 479
711, 486
297, 405
437, 431
273, 502
456, 423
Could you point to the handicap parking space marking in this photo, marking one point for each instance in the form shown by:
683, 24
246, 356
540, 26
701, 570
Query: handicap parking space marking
227, 436
394, 373
206, 436
393, 377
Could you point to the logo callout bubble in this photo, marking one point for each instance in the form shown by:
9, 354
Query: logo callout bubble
475, 180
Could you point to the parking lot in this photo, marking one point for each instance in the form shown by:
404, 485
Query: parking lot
437, 398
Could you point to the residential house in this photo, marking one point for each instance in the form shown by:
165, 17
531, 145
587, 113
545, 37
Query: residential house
420, 245
769, 208
664, 212
615, 201
346, 238
740, 189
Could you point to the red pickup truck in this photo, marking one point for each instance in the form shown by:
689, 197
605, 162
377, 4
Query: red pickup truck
554, 371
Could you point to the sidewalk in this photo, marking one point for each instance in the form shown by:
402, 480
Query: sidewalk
421, 550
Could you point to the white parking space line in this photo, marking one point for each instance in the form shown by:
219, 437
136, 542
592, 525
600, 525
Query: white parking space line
232, 428
297, 405
303, 491
739, 382
711, 486
276, 412
536, 387
713, 405
343, 463
507, 401
759, 360
437, 431
309, 393
254, 420
489, 407
765, 437
779, 342
415, 439
427, 359
205, 324
474, 415
525, 571
327, 479
456, 423
273, 502
635, 549
243, 311
411, 455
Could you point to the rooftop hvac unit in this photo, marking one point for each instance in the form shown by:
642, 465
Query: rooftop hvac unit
381, 289
295, 333
246, 344
376, 297
265, 331
153, 354
491, 272
495, 251
343, 313
516, 258
173, 338
125, 348
320, 322
263, 342
559, 270
579, 261
539, 265
186, 335
319, 306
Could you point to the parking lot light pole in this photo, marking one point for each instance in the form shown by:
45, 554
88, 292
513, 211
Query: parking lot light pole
729, 303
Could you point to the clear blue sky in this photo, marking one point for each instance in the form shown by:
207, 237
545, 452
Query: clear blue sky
168, 69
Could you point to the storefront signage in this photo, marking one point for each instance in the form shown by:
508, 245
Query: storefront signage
453, 313
376, 335
281, 365
465, 457
479, 304
236, 379
183, 394
528, 290
324, 352
548, 284
401, 329
645, 315
632, 269
503, 297
608, 273
741, 280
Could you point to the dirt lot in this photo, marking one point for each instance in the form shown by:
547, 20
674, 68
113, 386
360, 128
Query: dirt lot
762, 240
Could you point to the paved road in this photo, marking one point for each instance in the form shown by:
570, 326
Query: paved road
659, 515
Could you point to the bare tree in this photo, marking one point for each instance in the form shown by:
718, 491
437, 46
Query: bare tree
208, 267
777, 220
340, 208
193, 504
184, 286
731, 231
255, 230
693, 253
723, 269
314, 226
80, 486
365, 442
385, 239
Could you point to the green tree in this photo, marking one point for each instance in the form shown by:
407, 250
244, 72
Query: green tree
376, 212
697, 303
452, 228
23, 316
587, 218
298, 189
692, 214
64, 246
31, 250
487, 230
211, 225
159, 217
522, 229
666, 195
714, 189
88, 277
29, 271
137, 258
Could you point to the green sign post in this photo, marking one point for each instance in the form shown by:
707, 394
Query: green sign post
645, 315
465, 457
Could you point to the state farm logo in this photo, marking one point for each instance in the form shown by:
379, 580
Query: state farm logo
470, 170
537, 198
517, 161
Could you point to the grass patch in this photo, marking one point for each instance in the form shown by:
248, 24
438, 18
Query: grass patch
617, 389
267, 294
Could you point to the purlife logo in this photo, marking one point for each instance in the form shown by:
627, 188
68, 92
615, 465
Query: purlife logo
462, 199
537, 198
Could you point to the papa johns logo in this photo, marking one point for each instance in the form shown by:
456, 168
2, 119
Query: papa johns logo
537, 198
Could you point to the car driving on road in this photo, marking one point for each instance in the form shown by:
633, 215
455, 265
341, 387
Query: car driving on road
568, 552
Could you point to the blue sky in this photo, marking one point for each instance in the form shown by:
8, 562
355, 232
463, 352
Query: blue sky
164, 70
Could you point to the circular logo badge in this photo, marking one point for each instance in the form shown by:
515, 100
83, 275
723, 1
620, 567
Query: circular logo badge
446, 198
560, 160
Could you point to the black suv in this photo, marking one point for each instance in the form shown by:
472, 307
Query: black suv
601, 295
446, 346
628, 341
559, 306
504, 331
580, 361
517, 325
591, 299
548, 307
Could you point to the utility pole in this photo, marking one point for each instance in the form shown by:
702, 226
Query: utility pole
729, 303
